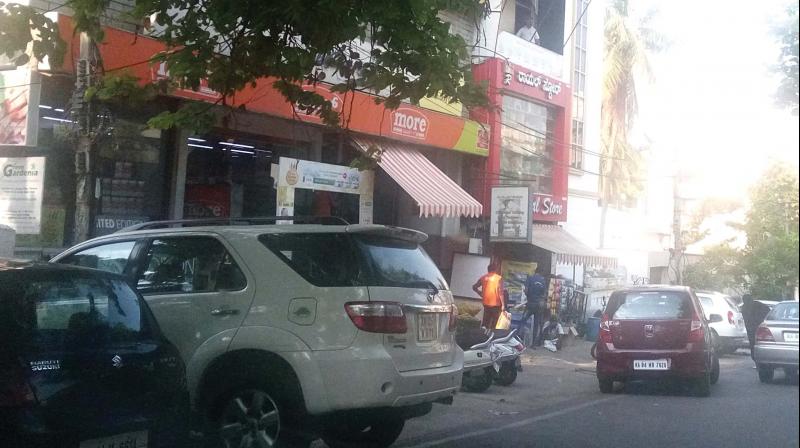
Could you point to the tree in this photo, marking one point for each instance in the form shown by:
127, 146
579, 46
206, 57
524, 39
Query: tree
400, 46
770, 257
720, 269
626, 47
789, 65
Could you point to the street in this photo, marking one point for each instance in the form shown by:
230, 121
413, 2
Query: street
555, 402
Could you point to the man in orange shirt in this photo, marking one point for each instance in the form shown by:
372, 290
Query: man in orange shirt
490, 288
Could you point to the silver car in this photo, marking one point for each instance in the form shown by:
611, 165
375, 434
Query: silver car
777, 342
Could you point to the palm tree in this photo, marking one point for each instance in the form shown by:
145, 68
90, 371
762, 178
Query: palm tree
625, 55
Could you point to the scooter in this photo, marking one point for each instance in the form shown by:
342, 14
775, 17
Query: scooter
507, 351
479, 370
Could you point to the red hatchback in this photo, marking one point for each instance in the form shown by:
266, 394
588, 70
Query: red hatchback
653, 333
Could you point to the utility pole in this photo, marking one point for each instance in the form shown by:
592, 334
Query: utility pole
677, 214
84, 169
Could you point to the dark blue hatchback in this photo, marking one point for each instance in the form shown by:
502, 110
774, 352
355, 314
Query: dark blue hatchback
83, 363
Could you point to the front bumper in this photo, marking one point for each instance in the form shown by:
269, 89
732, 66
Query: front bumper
617, 365
777, 355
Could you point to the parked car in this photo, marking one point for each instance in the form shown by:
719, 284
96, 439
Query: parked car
343, 331
83, 363
777, 342
655, 332
728, 328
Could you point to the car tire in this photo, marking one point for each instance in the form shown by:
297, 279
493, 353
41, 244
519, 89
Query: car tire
606, 385
702, 385
715, 370
380, 431
474, 382
766, 373
507, 374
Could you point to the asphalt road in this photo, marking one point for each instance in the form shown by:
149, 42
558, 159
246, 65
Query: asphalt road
556, 403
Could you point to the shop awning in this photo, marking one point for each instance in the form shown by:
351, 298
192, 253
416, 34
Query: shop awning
435, 193
566, 248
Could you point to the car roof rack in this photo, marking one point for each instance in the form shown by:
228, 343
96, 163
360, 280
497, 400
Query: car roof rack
258, 220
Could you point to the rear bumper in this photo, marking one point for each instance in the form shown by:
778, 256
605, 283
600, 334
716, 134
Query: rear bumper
777, 355
367, 378
617, 365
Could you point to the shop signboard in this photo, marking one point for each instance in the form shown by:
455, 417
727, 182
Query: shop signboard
545, 207
108, 224
207, 201
19, 107
21, 191
510, 214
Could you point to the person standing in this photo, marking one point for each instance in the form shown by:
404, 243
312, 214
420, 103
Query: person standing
535, 292
528, 31
490, 288
753, 314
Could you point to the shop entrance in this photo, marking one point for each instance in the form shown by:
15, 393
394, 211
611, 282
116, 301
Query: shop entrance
326, 203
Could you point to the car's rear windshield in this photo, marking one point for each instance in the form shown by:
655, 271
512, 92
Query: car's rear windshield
784, 311
341, 259
650, 305
66, 311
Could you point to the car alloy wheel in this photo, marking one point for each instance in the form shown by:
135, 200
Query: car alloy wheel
250, 418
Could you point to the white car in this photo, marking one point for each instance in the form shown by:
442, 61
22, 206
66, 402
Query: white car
297, 330
725, 321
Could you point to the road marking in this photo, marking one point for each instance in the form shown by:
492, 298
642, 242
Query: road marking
525, 422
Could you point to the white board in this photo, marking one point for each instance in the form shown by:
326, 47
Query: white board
467, 269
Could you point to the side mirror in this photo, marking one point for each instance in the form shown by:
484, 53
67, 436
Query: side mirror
714, 318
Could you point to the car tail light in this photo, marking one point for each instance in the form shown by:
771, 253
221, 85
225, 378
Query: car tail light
730, 318
763, 334
14, 390
377, 317
605, 329
451, 325
696, 332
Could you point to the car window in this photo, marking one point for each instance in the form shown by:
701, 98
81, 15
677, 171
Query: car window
650, 305
784, 311
338, 259
189, 265
107, 257
707, 304
62, 311
396, 262
323, 259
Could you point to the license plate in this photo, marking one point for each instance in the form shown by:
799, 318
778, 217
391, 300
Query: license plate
651, 364
790, 337
136, 439
427, 328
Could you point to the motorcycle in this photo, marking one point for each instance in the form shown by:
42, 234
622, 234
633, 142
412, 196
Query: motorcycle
479, 370
506, 354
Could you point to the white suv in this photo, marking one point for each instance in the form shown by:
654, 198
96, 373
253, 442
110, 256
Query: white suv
294, 331
727, 323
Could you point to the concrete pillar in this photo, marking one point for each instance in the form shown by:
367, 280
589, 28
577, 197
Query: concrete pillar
8, 238
178, 184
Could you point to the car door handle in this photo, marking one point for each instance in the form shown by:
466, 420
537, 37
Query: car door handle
224, 312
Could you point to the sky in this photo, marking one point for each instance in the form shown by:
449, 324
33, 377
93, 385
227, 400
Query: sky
709, 108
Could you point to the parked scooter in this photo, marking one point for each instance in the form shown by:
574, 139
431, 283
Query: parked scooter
479, 368
506, 354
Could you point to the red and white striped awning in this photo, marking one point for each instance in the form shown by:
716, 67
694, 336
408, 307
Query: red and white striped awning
567, 249
436, 194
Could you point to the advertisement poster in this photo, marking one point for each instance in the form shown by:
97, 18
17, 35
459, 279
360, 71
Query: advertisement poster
510, 214
294, 173
19, 107
207, 201
21, 191
515, 273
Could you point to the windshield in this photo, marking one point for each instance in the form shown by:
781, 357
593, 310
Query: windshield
650, 305
784, 311
401, 263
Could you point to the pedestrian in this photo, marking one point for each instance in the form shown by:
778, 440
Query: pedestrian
528, 31
753, 314
490, 288
535, 292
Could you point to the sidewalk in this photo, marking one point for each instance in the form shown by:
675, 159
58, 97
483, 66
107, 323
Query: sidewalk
574, 355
